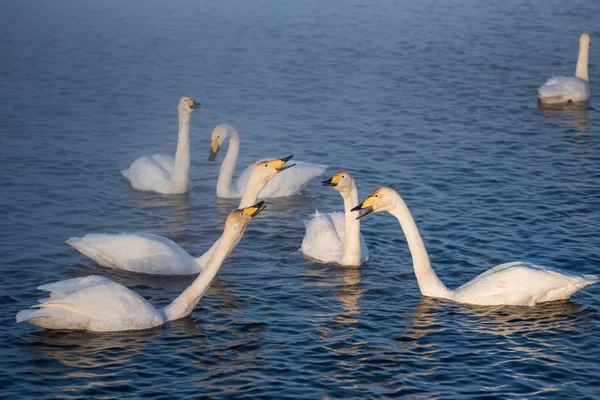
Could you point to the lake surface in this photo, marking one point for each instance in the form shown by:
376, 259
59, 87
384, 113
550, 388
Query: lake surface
435, 99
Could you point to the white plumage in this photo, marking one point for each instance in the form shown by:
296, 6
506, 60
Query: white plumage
162, 173
152, 254
336, 237
516, 283
324, 238
573, 89
289, 183
95, 303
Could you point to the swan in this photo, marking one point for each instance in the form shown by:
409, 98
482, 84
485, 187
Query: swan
288, 184
336, 237
95, 303
152, 254
572, 89
515, 283
160, 173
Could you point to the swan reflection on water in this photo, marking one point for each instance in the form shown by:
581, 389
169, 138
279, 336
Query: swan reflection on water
576, 117
431, 315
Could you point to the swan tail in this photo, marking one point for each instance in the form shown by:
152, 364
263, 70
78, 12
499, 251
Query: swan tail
591, 278
50, 318
84, 245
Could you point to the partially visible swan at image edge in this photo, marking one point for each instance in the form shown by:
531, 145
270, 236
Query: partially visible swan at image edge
152, 254
290, 183
336, 237
516, 283
161, 173
571, 89
95, 303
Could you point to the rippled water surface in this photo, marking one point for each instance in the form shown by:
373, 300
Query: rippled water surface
436, 99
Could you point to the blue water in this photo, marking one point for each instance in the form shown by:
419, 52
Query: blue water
436, 99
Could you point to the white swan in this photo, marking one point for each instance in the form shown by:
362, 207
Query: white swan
95, 303
516, 283
160, 173
336, 237
288, 184
152, 254
572, 89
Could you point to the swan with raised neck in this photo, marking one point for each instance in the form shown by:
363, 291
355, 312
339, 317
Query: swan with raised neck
517, 283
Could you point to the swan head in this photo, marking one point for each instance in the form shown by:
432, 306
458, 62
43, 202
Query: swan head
217, 137
584, 40
237, 220
341, 181
264, 171
382, 199
187, 105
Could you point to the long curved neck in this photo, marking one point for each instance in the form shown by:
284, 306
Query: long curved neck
226, 175
181, 170
429, 283
582, 63
250, 195
183, 305
351, 255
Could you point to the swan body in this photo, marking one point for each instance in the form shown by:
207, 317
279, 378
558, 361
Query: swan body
336, 237
516, 283
572, 89
147, 253
290, 183
95, 303
162, 173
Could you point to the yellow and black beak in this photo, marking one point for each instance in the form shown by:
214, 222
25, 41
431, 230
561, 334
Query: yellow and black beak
367, 205
192, 104
252, 211
214, 149
279, 166
333, 181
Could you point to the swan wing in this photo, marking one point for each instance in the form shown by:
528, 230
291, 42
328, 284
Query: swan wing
322, 241
165, 161
519, 283
562, 89
137, 252
91, 303
147, 174
287, 183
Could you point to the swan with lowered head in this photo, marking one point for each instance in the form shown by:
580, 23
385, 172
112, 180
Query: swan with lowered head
160, 173
288, 184
516, 283
336, 237
572, 89
152, 254
95, 303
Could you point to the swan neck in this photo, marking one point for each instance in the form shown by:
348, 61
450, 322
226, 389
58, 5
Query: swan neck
224, 188
183, 305
181, 169
429, 283
582, 63
351, 251
251, 192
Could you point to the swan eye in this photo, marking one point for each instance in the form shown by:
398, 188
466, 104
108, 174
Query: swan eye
343, 176
376, 195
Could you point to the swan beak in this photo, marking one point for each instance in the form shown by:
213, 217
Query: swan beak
333, 181
214, 149
367, 204
252, 211
279, 166
192, 104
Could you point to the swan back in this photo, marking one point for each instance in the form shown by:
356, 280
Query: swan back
91, 303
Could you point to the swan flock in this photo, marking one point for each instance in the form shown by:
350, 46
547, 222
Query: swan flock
95, 303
